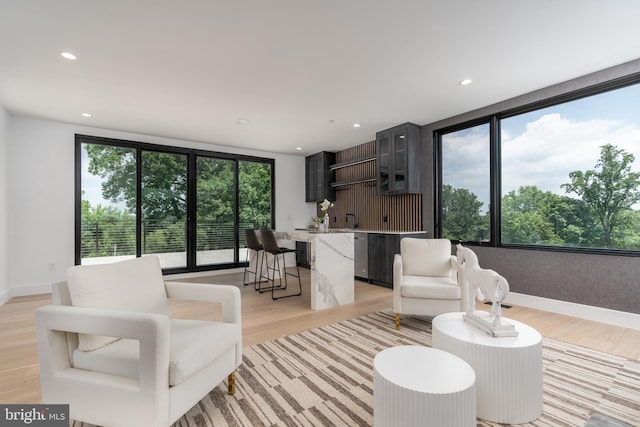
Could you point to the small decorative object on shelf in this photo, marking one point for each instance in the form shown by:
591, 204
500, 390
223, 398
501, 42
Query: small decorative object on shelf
324, 207
318, 223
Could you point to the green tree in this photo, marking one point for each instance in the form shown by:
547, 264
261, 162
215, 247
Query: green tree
609, 190
461, 216
527, 217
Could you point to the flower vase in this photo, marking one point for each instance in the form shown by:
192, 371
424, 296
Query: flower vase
326, 222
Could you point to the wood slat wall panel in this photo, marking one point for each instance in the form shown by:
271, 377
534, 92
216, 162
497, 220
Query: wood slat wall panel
403, 212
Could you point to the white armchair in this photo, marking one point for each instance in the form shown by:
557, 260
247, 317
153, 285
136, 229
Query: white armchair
108, 348
425, 279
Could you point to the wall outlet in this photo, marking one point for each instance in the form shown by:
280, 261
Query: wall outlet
53, 266
385, 218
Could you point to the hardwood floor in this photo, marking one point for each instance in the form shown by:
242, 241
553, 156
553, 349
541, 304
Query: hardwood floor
264, 319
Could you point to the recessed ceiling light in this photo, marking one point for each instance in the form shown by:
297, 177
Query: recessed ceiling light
86, 114
68, 55
242, 122
356, 125
298, 148
465, 82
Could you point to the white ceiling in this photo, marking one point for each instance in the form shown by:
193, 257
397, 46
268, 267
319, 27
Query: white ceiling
301, 71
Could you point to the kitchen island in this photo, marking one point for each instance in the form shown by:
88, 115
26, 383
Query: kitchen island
332, 269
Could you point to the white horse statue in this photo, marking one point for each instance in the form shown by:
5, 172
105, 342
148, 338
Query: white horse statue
483, 283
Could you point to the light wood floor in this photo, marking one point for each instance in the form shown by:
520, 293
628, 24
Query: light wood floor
264, 319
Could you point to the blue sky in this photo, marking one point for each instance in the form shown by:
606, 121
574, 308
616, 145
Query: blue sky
541, 148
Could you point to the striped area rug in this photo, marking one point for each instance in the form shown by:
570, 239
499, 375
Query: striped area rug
324, 377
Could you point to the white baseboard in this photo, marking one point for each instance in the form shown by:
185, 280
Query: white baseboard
36, 289
5, 296
597, 314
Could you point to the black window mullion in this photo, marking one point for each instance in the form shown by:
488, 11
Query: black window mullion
139, 230
494, 181
192, 211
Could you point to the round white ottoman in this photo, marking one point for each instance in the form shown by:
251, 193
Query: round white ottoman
508, 369
422, 386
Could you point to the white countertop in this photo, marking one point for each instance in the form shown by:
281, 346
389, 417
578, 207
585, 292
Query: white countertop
360, 230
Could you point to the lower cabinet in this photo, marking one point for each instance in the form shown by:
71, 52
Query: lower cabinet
303, 254
382, 249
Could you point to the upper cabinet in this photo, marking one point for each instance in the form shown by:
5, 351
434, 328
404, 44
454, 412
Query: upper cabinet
398, 158
319, 177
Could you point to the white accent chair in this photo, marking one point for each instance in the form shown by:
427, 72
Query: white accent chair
425, 279
108, 348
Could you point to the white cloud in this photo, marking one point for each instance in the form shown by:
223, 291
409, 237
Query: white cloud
552, 147
543, 155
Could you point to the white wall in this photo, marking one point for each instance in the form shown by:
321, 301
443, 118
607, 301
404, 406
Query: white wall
40, 198
4, 206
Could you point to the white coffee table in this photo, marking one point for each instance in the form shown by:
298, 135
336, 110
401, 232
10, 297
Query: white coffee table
422, 386
508, 369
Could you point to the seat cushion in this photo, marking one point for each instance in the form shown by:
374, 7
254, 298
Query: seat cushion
429, 287
194, 344
134, 285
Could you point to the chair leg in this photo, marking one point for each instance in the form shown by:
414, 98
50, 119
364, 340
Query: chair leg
397, 321
246, 268
284, 265
272, 278
232, 383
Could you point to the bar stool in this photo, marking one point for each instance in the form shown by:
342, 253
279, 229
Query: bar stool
253, 245
270, 246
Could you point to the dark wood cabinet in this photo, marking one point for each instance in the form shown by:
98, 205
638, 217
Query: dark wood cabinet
303, 254
398, 158
319, 177
382, 249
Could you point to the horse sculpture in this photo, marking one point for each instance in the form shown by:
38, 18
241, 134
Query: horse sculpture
483, 283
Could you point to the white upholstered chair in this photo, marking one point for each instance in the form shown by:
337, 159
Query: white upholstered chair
108, 348
425, 279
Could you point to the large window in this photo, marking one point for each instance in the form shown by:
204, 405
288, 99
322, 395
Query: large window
188, 207
465, 191
567, 174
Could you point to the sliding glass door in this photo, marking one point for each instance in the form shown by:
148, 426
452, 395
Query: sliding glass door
215, 200
164, 207
188, 207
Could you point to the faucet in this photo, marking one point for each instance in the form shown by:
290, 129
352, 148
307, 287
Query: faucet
355, 220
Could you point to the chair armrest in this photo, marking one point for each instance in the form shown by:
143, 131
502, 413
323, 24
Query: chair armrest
151, 330
455, 268
228, 296
397, 282
457, 274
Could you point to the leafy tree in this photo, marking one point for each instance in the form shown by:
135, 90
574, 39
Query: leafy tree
117, 168
609, 190
106, 231
254, 184
527, 217
461, 217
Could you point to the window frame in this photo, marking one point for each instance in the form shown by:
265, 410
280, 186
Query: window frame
191, 206
494, 119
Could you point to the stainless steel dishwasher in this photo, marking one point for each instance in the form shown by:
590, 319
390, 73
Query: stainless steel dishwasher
361, 255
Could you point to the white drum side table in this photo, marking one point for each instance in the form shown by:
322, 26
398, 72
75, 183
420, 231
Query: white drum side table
508, 369
422, 386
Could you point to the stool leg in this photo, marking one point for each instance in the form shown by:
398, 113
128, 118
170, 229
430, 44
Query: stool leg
246, 268
284, 263
398, 321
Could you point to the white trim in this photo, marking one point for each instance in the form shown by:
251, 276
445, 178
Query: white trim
26, 290
5, 296
597, 314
